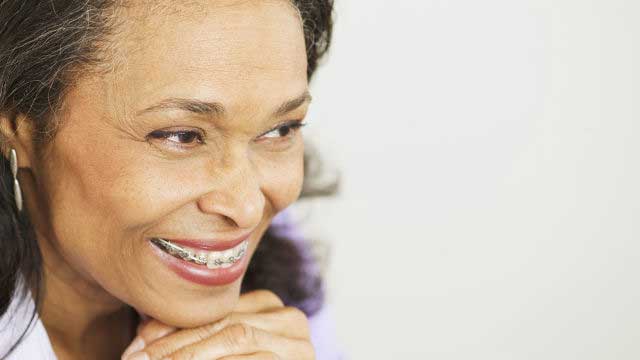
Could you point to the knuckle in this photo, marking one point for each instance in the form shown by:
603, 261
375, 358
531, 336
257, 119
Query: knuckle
269, 297
203, 332
157, 349
215, 327
239, 335
297, 320
296, 315
185, 354
208, 330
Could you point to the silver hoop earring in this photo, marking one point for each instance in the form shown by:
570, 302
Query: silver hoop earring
17, 192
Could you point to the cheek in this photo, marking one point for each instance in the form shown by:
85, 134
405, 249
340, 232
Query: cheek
114, 189
98, 200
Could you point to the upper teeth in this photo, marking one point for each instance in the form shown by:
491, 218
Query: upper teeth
213, 259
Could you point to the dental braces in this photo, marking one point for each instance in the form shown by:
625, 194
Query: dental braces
186, 255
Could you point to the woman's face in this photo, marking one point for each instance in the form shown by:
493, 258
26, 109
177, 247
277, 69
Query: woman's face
223, 75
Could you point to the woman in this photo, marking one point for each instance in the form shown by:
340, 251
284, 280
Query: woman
147, 147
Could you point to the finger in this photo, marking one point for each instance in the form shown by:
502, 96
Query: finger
163, 346
288, 322
242, 339
147, 332
152, 336
256, 356
141, 324
154, 329
257, 301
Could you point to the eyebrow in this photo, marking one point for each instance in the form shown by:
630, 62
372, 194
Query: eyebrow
216, 109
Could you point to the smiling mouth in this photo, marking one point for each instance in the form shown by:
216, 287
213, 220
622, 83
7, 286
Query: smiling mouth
210, 259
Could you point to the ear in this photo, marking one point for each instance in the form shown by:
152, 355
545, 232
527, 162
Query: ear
16, 132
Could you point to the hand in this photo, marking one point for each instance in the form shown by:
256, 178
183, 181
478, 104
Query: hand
260, 327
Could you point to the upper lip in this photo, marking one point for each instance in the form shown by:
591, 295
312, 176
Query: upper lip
208, 244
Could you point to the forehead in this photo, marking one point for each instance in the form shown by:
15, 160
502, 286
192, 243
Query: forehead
222, 50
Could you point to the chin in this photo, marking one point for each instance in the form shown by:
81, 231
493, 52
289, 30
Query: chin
189, 311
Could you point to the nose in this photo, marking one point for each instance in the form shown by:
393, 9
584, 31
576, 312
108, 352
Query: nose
236, 196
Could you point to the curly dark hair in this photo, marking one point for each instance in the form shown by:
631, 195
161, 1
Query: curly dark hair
44, 44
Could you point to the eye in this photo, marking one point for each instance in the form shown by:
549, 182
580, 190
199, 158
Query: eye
285, 130
179, 138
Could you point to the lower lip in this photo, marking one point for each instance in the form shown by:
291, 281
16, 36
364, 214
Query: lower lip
201, 274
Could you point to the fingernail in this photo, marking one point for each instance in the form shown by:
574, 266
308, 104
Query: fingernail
136, 345
139, 356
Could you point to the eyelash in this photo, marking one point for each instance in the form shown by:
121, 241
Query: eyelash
291, 127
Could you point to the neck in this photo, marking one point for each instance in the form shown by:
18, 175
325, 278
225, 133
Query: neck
81, 318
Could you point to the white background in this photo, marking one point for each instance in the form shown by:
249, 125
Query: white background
490, 155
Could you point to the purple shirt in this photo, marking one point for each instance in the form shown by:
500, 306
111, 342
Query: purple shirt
323, 331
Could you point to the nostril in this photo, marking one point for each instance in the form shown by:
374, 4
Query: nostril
231, 222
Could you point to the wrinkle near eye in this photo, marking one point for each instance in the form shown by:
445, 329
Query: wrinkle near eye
129, 130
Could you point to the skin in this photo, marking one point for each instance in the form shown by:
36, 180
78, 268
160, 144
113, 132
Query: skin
103, 187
